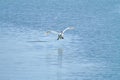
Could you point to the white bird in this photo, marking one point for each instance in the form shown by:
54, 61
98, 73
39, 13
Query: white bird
60, 34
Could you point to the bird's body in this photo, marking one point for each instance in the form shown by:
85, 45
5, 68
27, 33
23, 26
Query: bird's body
60, 34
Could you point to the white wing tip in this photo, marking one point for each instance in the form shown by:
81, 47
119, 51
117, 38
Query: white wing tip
71, 27
47, 33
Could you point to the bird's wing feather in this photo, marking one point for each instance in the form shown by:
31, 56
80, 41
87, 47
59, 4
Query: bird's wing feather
68, 28
54, 32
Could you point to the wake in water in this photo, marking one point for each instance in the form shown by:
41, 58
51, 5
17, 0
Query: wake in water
37, 41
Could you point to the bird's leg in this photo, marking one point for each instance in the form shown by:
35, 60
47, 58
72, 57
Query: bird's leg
58, 37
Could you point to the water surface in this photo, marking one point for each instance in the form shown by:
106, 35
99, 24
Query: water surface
89, 52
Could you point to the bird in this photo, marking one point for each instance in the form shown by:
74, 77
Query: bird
61, 33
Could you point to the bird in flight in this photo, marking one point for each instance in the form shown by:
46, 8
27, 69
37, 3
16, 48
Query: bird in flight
60, 34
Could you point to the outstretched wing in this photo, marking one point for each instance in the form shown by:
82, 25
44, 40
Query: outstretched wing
68, 28
48, 32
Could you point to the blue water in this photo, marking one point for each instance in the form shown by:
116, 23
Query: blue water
89, 52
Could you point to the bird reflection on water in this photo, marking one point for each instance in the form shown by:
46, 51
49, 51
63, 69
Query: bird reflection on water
59, 70
60, 53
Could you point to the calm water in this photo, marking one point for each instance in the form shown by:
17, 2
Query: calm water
89, 52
